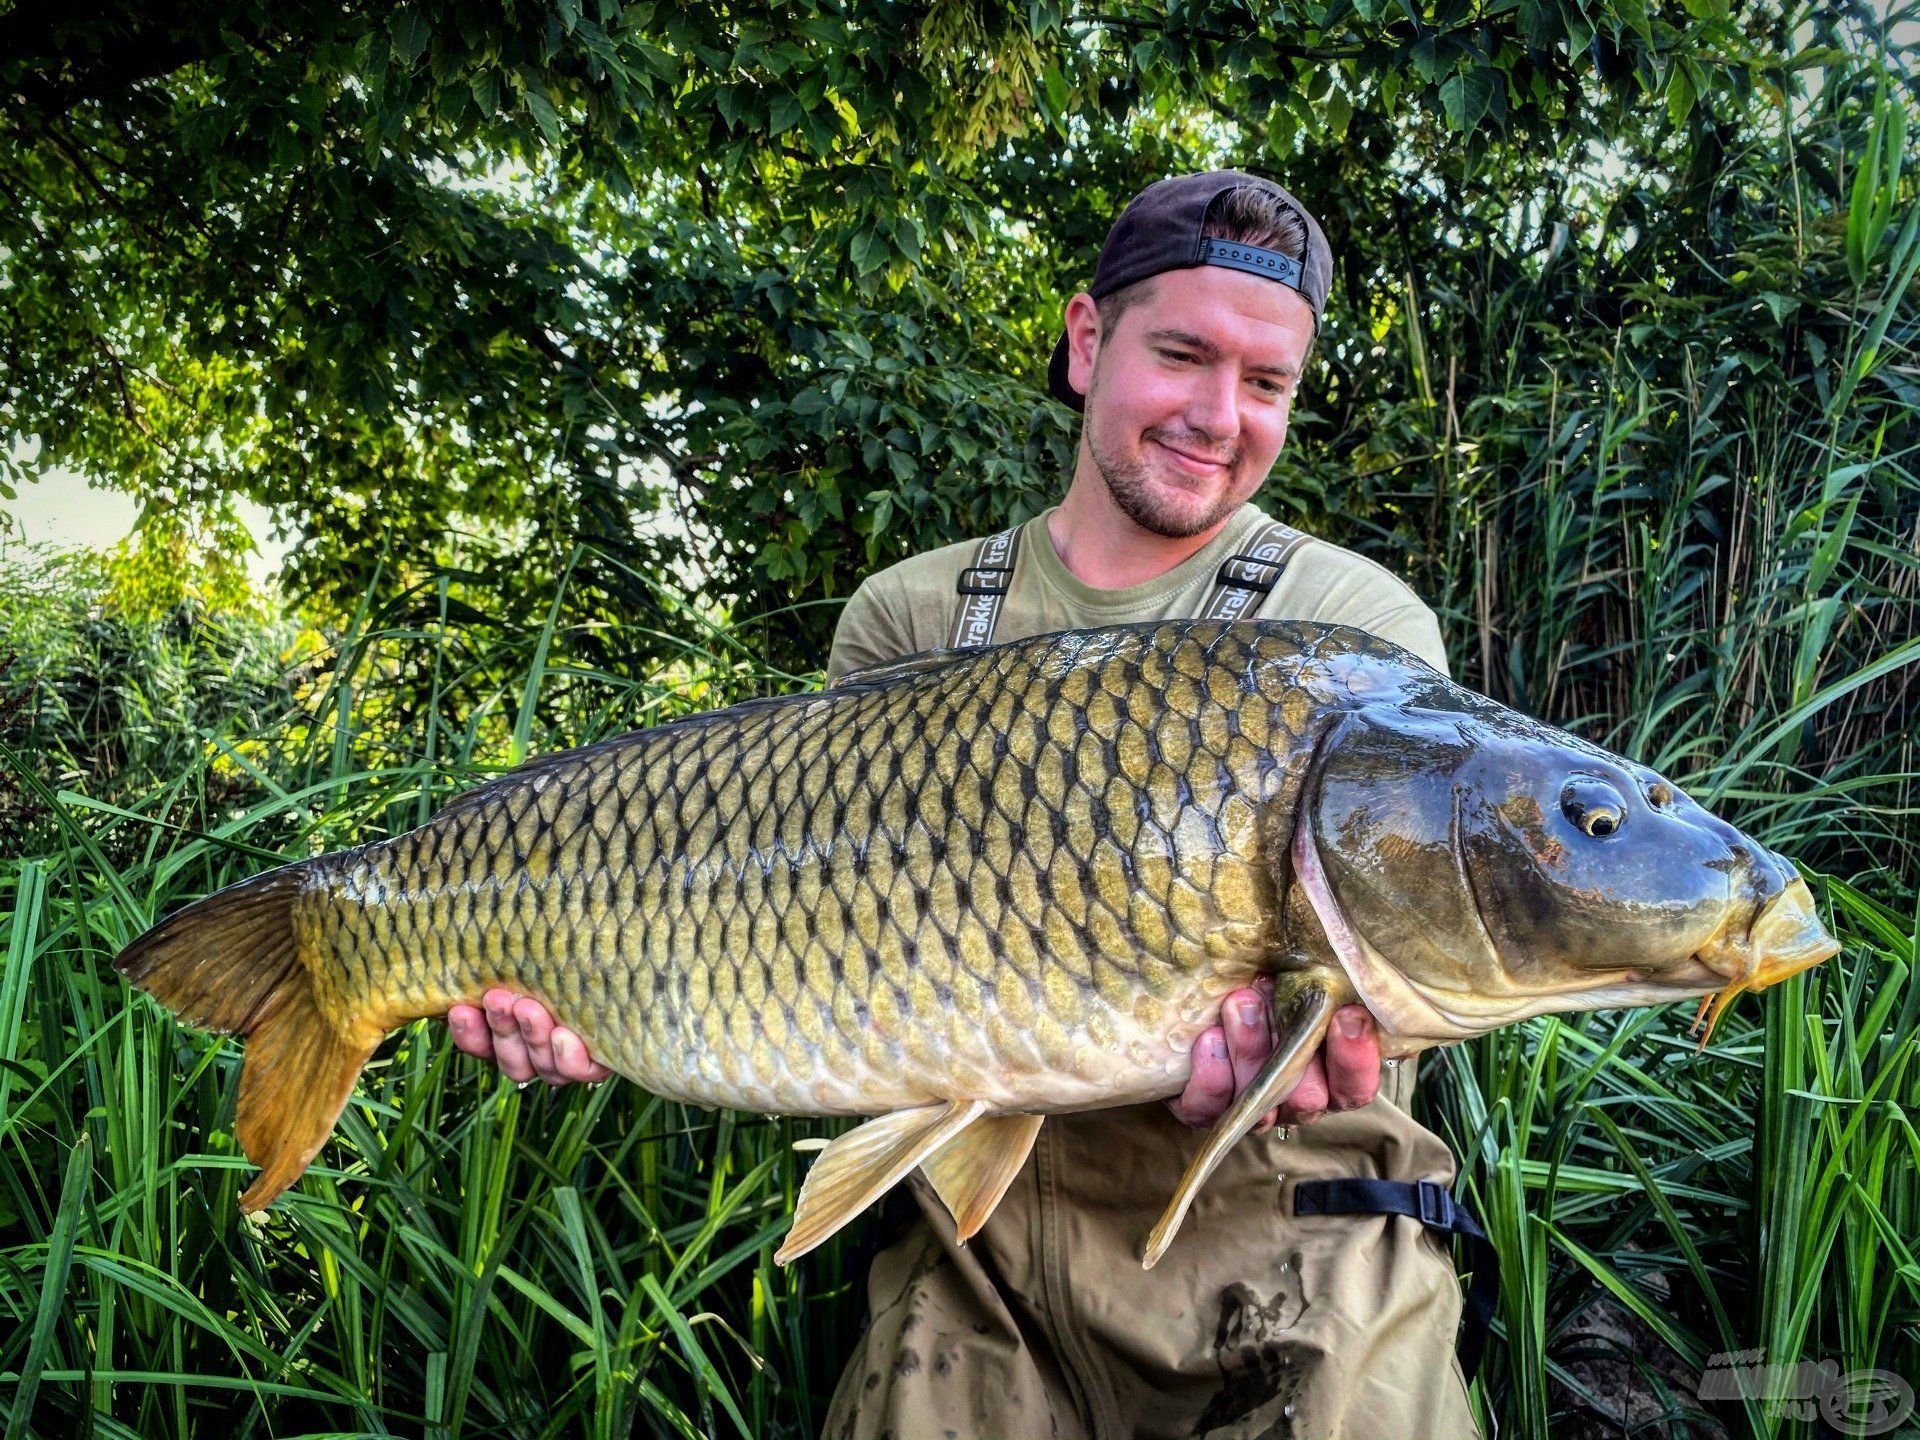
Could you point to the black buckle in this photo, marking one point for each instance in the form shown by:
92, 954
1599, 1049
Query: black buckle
1436, 1204
966, 587
1225, 576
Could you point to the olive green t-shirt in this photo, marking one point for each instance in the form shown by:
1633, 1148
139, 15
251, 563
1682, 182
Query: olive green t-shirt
911, 606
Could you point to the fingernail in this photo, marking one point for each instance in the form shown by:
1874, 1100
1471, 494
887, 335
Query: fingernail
1216, 1045
1352, 1026
562, 1046
1249, 1012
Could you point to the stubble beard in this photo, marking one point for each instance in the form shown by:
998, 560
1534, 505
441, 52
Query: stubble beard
1133, 490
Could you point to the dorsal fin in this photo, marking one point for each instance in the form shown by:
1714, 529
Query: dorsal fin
872, 677
541, 764
921, 662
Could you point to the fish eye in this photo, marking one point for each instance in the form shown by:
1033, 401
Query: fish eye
1594, 805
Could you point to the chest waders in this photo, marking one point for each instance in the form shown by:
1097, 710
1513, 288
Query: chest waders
1240, 586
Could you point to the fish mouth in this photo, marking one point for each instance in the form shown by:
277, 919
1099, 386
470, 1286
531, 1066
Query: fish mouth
1787, 937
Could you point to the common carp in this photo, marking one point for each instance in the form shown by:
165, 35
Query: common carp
969, 888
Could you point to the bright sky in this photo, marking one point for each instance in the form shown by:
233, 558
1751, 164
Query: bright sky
62, 508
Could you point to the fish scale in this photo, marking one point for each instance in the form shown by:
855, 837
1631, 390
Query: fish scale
1014, 872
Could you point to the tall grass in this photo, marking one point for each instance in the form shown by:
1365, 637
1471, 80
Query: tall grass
1697, 539
468, 1258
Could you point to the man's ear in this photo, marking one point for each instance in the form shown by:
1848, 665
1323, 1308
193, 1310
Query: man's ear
1082, 324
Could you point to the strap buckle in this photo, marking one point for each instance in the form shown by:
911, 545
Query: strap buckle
968, 586
1248, 576
1436, 1204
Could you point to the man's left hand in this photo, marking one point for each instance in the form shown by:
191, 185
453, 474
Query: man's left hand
1344, 1076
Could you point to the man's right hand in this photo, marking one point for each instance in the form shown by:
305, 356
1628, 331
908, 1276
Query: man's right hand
517, 1033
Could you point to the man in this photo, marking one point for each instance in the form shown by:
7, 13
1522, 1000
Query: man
1184, 357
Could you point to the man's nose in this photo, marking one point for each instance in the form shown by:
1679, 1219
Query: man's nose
1213, 405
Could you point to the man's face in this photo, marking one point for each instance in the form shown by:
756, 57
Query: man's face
1187, 399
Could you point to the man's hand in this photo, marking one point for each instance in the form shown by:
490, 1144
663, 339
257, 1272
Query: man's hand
1344, 1076
517, 1033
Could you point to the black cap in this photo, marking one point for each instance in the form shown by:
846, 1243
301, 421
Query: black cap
1161, 230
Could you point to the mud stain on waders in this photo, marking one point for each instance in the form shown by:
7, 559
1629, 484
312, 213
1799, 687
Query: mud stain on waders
1258, 1369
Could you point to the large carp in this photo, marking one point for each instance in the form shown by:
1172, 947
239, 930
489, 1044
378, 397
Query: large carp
967, 889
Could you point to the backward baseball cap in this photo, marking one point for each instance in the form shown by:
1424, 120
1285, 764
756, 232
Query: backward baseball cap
1163, 228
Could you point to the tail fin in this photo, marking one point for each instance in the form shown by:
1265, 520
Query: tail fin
230, 963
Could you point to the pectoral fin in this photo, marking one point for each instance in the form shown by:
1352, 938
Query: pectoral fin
972, 1171
1303, 1005
863, 1164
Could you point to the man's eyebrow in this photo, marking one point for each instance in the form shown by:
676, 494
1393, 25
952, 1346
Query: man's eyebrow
1210, 351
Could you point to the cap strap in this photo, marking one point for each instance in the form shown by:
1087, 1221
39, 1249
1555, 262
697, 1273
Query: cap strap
1254, 259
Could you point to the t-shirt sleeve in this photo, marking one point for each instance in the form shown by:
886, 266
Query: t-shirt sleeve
872, 629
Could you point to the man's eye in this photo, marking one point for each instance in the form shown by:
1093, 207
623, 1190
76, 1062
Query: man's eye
1176, 355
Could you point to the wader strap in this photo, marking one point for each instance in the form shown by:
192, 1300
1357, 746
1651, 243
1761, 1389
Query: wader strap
1433, 1205
983, 588
1243, 580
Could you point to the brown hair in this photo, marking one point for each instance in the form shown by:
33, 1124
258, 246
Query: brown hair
1245, 214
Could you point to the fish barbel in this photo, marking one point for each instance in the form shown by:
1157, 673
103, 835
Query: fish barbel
971, 888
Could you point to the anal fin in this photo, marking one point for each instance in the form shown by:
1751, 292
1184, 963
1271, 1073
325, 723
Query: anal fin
863, 1164
973, 1169
1303, 1006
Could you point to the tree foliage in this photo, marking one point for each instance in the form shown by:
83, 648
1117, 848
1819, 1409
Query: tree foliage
758, 294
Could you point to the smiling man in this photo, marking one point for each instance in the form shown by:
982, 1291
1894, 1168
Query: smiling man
1326, 1320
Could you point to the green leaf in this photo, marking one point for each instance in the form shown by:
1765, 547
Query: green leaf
53, 1285
411, 32
869, 251
1338, 111
786, 111
486, 92
1057, 94
1680, 95
1424, 59
1468, 95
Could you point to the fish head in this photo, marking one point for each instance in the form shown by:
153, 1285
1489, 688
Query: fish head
1473, 868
